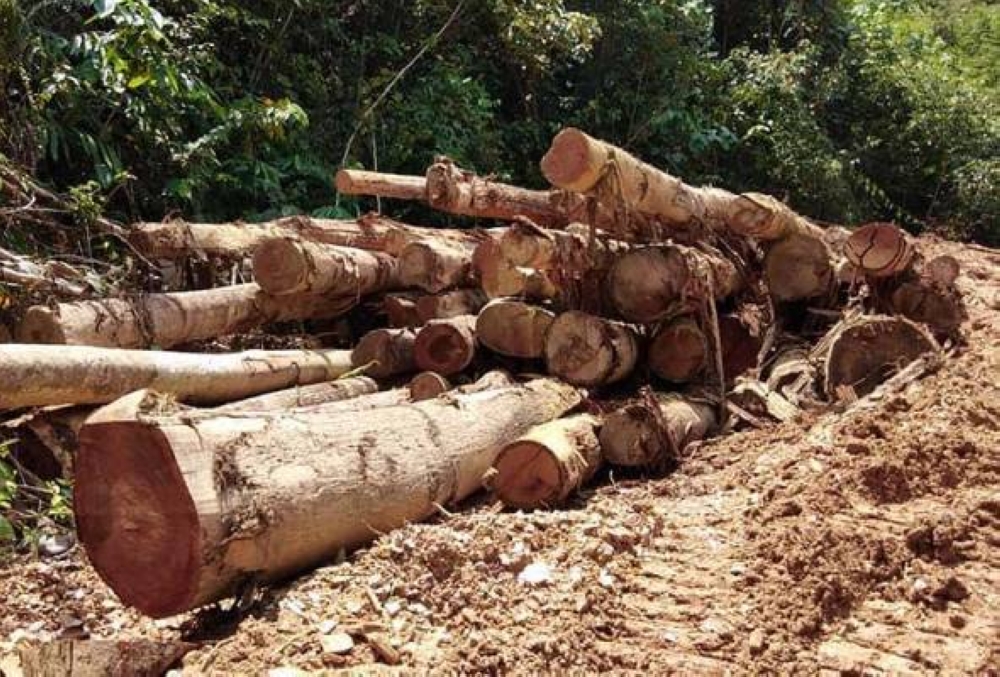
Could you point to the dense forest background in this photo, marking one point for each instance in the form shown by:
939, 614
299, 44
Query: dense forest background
852, 110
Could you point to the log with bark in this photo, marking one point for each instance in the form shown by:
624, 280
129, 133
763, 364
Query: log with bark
386, 352
879, 250
514, 328
446, 346
571, 251
653, 431
434, 267
648, 284
306, 396
171, 319
284, 266
38, 375
586, 350
427, 385
401, 310
450, 304
177, 512
799, 267
545, 466
500, 279
763, 217
680, 351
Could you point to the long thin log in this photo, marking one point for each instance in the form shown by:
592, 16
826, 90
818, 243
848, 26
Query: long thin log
394, 186
765, 218
550, 462
38, 376
590, 351
306, 396
648, 284
386, 352
679, 351
653, 431
288, 266
446, 346
171, 319
175, 513
514, 328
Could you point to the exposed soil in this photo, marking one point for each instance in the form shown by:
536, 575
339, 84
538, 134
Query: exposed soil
864, 541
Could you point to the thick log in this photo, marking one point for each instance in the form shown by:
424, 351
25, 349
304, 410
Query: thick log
860, 353
427, 385
679, 352
499, 279
586, 350
799, 267
939, 306
401, 310
306, 396
284, 266
386, 352
514, 328
450, 304
652, 432
175, 513
38, 376
171, 319
545, 466
742, 339
570, 251
446, 346
879, 250
648, 284
434, 267
765, 218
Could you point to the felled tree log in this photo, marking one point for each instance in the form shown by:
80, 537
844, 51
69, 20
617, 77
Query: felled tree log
799, 267
170, 319
395, 186
742, 340
569, 251
450, 304
500, 279
879, 250
547, 464
679, 351
860, 353
386, 352
765, 218
514, 328
435, 267
922, 300
446, 346
427, 385
175, 513
38, 376
577, 162
401, 310
284, 266
179, 239
586, 350
648, 284
306, 396
651, 432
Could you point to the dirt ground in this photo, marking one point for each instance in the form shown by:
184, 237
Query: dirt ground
864, 541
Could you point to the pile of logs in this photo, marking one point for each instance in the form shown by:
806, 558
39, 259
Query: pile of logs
619, 317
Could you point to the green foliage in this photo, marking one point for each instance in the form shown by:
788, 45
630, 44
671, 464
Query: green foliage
29, 505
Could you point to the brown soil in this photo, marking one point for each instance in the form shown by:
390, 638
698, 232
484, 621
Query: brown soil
864, 541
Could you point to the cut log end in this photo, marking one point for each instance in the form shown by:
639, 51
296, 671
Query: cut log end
142, 530
879, 249
513, 328
646, 284
528, 475
589, 351
798, 267
679, 352
40, 324
427, 385
446, 346
281, 265
385, 352
568, 162
633, 437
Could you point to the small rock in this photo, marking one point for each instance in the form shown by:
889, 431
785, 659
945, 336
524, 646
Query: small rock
536, 573
952, 590
337, 643
738, 569
327, 626
957, 621
605, 579
55, 545
392, 607
757, 642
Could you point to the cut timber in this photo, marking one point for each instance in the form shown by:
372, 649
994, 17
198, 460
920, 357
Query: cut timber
799, 267
101, 657
499, 279
550, 462
741, 340
514, 328
180, 240
648, 284
943, 270
580, 163
450, 304
170, 319
938, 306
427, 385
652, 432
435, 267
879, 250
679, 352
446, 346
37, 376
385, 352
567, 251
765, 218
396, 186
306, 396
860, 353
401, 310
287, 266
590, 351
177, 512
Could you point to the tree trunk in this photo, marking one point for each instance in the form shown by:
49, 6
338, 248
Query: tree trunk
680, 351
176, 513
385, 352
879, 250
170, 319
435, 267
427, 385
514, 328
401, 310
38, 376
446, 346
590, 351
372, 232
450, 304
546, 465
570, 252
306, 396
649, 284
653, 431
288, 266
860, 353
765, 218
395, 186
799, 267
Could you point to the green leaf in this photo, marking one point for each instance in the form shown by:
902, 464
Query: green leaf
139, 80
105, 8
7, 534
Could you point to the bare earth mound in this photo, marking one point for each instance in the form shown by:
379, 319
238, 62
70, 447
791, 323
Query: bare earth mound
868, 538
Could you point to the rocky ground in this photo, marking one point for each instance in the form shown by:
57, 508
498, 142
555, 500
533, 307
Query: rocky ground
860, 541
